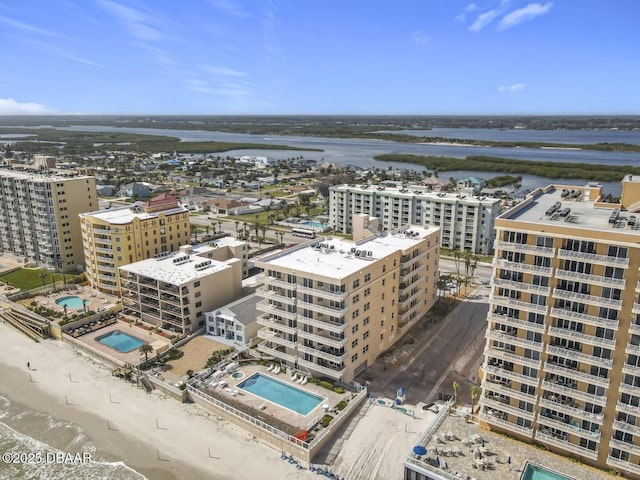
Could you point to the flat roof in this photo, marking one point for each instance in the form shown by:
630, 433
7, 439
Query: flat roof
165, 269
40, 177
124, 215
419, 191
243, 310
337, 258
581, 214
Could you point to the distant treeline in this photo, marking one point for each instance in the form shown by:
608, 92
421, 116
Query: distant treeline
503, 181
585, 171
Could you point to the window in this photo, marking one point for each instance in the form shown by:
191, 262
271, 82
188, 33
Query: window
365, 335
381, 336
198, 304
367, 291
367, 277
356, 299
198, 294
354, 329
354, 344
365, 349
356, 283
354, 357
196, 284
365, 321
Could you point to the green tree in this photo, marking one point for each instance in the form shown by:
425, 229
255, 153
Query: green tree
475, 390
456, 388
146, 349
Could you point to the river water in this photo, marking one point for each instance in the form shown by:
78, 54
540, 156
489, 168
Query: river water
360, 152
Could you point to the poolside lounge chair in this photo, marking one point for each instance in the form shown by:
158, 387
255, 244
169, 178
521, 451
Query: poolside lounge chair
277, 370
304, 381
294, 377
271, 367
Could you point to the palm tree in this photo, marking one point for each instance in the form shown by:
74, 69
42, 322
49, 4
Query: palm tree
475, 390
43, 277
237, 223
146, 349
64, 307
208, 229
219, 225
456, 388
263, 229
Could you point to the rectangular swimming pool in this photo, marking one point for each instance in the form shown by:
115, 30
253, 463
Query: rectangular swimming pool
120, 341
278, 392
536, 472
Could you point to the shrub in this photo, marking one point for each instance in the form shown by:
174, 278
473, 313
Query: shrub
341, 405
326, 420
182, 386
327, 385
338, 390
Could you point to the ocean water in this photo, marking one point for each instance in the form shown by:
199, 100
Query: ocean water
28, 432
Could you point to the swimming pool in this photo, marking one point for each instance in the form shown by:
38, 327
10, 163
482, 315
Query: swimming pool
278, 392
536, 472
72, 301
315, 224
123, 342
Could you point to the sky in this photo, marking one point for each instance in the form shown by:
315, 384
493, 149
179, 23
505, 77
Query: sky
284, 57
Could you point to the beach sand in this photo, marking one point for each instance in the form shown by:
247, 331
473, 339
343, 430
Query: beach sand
152, 433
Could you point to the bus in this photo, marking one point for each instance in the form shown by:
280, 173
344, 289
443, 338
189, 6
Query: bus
303, 232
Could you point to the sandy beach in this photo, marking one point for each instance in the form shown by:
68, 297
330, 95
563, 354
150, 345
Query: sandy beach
151, 433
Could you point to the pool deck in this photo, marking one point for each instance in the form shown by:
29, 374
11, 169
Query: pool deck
290, 417
97, 301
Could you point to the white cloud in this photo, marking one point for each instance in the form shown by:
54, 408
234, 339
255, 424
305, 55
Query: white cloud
29, 29
8, 106
419, 37
224, 71
524, 14
229, 7
483, 20
139, 24
472, 7
516, 87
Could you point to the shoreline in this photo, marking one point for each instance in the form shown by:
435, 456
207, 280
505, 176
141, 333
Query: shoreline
151, 433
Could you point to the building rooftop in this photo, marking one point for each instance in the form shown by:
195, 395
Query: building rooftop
125, 215
176, 268
339, 258
244, 309
40, 176
410, 191
566, 207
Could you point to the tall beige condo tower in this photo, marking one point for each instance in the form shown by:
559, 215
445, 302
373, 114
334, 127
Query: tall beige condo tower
562, 358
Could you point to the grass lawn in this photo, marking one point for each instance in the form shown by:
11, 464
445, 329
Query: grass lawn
26, 279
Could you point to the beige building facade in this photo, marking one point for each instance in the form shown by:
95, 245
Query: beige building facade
120, 236
562, 358
330, 307
39, 217
174, 290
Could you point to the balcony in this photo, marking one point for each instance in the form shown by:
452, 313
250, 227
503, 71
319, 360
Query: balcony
406, 303
522, 286
569, 428
327, 310
513, 358
516, 377
630, 389
590, 279
584, 318
631, 369
625, 427
579, 356
581, 337
524, 248
102, 241
170, 298
506, 425
489, 386
272, 309
101, 231
267, 321
577, 375
513, 340
107, 278
548, 439
593, 258
269, 350
518, 304
515, 322
275, 337
316, 352
626, 407
522, 267
407, 276
326, 294
573, 393
104, 268
629, 447
329, 326
623, 464
330, 341
108, 251
632, 349
169, 288
635, 309
584, 298
573, 411
276, 296
326, 371
506, 408
279, 283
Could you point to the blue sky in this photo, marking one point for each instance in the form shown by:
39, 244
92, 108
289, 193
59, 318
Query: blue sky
428, 57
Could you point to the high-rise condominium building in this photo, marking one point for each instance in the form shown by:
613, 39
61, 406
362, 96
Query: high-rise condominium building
119, 236
562, 359
39, 217
466, 221
332, 306
175, 289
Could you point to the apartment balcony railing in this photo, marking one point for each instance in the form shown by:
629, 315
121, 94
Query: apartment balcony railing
630, 389
269, 350
513, 358
523, 248
632, 349
324, 371
406, 303
325, 325
279, 283
631, 369
564, 254
268, 308
573, 393
275, 337
170, 298
275, 296
516, 322
636, 308
101, 231
623, 465
108, 251
506, 408
324, 355
102, 241
579, 356
170, 308
621, 445
518, 304
513, 340
516, 377
488, 386
330, 341
626, 408
625, 427
522, 267
104, 268
107, 278
327, 294
573, 411
506, 425
590, 279
584, 318
406, 277
548, 439
581, 337
267, 321
634, 328
327, 310
577, 375
566, 427
584, 298
521, 286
